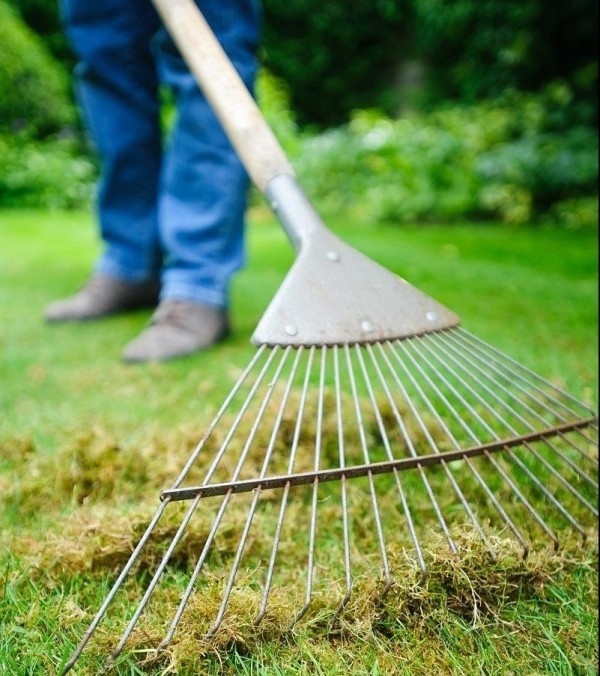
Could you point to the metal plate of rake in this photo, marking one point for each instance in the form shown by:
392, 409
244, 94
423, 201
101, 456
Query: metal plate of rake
367, 447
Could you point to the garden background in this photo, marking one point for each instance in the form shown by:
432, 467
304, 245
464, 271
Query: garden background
454, 142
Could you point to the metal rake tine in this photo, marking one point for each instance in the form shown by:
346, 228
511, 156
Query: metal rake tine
580, 450
458, 491
243, 409
200, 563
405, 506
275, 549
557, 475
400, 422
582, 475
194, 505
557, 504
460, 335
432, 444
430, 439
516, 369
249, 519
528, 424
115, 588
367, 459
512, 454
284, 499
342, 459
516, 490
226, 404
388, 449
499, 508
150, 589
315, 495
161, 508
532, 411
414, 454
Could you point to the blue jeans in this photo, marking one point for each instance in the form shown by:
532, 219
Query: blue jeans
172, 209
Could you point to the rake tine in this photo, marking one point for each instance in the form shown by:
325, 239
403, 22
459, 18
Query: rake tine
544, 394
516, 370
580, 450
405, 507
159, 571
192, 509
243, 409
284, 499
525, 422
532, 511
431, 441
160, 510
505, 517
274, 551
190, 512
342, 458
436, 507
226, 404
567, 484
115, 588
367, 459
414, 453
263, 472
511, 452
200, 563
315, 495
541, 402
583, 475
528, 394
559, 506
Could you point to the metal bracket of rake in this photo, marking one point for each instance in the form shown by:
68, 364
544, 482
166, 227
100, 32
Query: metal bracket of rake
322, 476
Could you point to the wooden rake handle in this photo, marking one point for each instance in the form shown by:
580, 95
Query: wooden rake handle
249, 133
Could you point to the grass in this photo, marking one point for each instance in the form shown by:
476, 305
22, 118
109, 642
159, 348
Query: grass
86, 443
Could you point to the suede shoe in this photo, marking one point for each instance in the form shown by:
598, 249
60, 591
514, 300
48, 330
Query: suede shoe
177, 329
102, 296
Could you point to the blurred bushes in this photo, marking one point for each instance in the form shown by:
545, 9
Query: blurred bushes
338, 56
517, 156
42, 16
42, 163
35, 88
476, 49
51, 175
502, 158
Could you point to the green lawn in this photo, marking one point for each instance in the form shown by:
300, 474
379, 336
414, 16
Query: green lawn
86, 443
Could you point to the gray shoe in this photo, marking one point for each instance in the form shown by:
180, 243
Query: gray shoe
103, 296
177, 329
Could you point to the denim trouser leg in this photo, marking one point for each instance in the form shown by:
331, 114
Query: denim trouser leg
117, 90
193, 204
203, 188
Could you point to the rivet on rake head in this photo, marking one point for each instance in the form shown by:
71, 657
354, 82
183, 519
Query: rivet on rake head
432, 316
367, 327
291, 330
333, 256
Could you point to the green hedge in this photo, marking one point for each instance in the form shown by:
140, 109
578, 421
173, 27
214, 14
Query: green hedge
498, 159
49, 174
34, 87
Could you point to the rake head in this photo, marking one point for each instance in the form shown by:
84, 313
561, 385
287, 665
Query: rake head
374, 447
